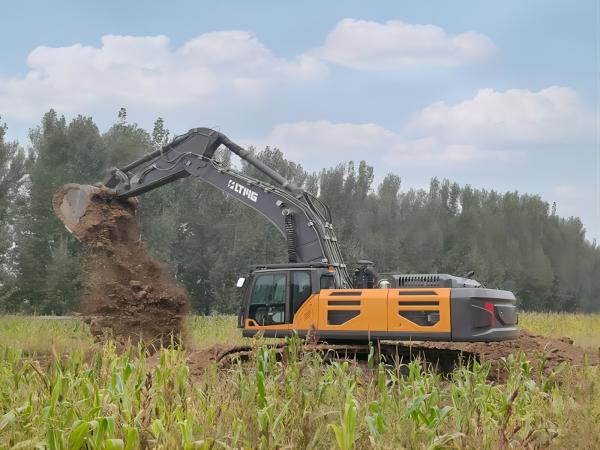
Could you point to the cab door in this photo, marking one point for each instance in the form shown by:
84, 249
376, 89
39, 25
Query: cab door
268, 302
303, 304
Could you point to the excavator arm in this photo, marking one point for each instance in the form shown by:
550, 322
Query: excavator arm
301, 218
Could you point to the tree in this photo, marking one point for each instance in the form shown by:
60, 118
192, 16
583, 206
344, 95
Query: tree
12, 170
62, 153
125, 142
160, 134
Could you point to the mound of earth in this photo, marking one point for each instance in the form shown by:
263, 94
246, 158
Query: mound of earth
550, 351
129, 295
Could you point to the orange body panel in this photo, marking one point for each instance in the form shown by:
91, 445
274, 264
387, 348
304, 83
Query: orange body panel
378, 310
371, 306
306, 316
434, 300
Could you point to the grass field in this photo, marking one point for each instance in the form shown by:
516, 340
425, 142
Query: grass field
60, 390
584, 329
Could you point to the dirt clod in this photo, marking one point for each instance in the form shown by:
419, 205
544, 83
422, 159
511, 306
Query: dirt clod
221, 354
128, 295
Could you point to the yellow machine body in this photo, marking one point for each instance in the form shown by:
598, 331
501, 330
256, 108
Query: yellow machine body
278, 303
374, 311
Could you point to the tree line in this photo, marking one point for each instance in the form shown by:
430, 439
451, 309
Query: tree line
512, 241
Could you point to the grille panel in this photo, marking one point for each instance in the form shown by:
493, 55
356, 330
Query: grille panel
431, 280
419, 281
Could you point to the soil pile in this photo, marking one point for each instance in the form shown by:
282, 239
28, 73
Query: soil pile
537, 348
128, 295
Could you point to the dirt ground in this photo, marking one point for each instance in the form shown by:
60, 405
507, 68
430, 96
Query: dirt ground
552, 352
549, 353
129, 295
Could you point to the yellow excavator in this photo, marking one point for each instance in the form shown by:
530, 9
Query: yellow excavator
315, 292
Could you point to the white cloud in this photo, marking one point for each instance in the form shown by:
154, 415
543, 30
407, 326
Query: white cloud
329, 143
341, 140
509, 118
493, 126
432, 150
395, 45
145, 71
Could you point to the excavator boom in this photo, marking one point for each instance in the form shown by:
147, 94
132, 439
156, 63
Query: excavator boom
301, 218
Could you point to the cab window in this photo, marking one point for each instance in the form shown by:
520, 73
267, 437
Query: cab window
267, 304
301, 288
327, 281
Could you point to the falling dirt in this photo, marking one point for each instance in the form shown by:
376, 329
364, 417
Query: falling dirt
129, 295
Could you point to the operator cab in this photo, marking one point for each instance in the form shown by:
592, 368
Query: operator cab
273, 294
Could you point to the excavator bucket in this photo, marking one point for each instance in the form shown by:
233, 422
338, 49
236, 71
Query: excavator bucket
70, 203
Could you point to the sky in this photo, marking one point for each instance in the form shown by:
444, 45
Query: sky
498, 95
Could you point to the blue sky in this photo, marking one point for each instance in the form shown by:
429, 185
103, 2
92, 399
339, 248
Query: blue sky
500, 95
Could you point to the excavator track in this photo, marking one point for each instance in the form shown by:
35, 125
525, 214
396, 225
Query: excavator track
440, 357
440, 360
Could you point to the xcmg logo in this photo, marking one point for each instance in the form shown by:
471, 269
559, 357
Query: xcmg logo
237, 187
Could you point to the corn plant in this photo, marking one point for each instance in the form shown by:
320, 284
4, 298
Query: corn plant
98, 397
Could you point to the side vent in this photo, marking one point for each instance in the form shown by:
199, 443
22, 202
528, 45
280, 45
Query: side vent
343, 302
419, 281
422, 318
417, 303
340, 317
345, 294
417, 293
430, 280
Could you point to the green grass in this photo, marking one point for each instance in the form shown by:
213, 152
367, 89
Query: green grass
33, 335
584, 329
203, 331
97, 398
43, 336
